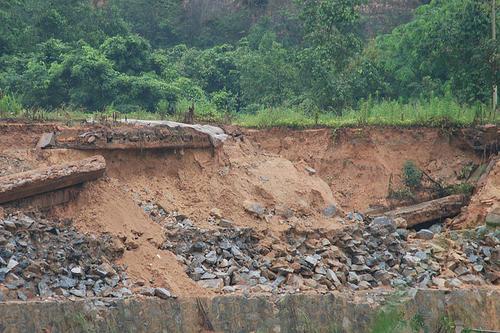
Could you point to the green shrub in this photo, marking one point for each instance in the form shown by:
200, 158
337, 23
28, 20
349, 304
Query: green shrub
412, 175
462, 188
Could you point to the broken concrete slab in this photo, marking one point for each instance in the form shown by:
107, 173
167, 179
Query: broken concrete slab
26, 184
216, 134
139, 136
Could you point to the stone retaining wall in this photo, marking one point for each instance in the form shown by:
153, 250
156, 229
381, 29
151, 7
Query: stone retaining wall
477, 309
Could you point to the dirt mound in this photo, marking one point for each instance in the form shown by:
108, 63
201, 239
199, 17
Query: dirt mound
106, 207
358, 163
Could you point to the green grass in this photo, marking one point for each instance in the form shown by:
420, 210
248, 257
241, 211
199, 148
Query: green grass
434, 112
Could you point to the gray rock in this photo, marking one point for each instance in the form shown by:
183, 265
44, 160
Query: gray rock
366, 277
125, 291
421, 255
77, 292
13, 285
24, 221
353, 278
22, 296
382, 276
77, 271
439, 282
359, 268
254, 208
382, 225
225, 223
12, 264
471, 279
363, 285
310, 170
235, 251
162, 293
330, 211
43, 289
330, 275
425, 234
229, 289
225, 244
212, 284
105, 269
436, 228
398, 283
67, 282
278, 282
197, 273
112, 281
478, 268
354, 216
211, 258
147, 291
320, 270
198, 247
461, 270
453, 283
403, 233
493, 218
311, 260
208, 276
9, 224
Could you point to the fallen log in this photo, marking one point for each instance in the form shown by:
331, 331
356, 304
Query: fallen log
43, 180
429, 211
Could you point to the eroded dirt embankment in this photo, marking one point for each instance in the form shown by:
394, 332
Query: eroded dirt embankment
358, 163
271, 181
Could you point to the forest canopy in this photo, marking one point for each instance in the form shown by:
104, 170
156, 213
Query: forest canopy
312, 55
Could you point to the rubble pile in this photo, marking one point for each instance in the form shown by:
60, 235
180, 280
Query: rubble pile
363, 255
42, 258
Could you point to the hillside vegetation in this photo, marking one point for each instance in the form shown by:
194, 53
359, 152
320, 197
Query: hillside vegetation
255, 62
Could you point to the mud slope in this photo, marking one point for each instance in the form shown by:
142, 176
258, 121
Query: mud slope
357, 163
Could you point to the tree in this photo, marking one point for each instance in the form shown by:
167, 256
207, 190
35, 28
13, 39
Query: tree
130, 54
90, 77
332, 38
448, 44
268, 74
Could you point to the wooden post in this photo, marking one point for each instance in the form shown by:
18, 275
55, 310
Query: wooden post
494, 38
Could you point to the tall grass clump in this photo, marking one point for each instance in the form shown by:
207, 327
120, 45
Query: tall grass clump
10, 106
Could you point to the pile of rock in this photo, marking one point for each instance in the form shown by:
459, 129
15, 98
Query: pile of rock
363, 255
41, 258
